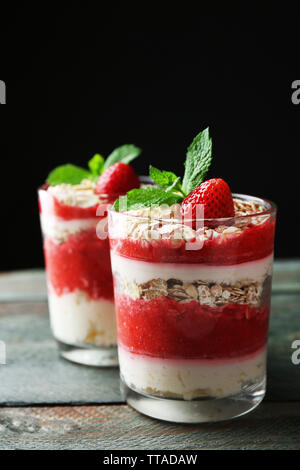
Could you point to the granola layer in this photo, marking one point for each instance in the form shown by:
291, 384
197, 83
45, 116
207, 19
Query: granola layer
164, 222
205, 293
81, 195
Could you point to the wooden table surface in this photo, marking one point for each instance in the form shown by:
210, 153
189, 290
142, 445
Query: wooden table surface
49, 403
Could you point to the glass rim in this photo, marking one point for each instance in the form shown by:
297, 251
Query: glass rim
101, 195
271, 209
144, 179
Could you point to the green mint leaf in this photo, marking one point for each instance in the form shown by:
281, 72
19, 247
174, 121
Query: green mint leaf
175, 186
146, 197
166, 179
126, 153
198, 160
68, 173
163, 178
96, 164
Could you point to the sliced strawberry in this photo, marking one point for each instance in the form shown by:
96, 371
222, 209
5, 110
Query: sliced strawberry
216, 197
118, 179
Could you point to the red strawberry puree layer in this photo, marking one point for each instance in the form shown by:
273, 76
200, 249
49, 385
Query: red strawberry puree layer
51, 206
165, 328
82, 261
255, 242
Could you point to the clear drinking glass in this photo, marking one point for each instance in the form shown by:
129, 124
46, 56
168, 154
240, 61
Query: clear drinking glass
192, 303
79, 279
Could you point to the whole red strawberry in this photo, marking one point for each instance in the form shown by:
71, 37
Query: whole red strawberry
119, 178
216, 197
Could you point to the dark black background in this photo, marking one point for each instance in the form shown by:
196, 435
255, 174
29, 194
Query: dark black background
81, 81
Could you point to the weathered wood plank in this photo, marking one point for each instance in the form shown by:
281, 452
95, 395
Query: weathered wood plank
30, 285
34, 373
26, 308
27, 285
283, 375
270, 426
286, 276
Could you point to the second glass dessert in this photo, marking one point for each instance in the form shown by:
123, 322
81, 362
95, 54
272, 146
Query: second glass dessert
73, 213
79, 279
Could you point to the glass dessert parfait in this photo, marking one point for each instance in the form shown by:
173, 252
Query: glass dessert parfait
73, 213
192, 299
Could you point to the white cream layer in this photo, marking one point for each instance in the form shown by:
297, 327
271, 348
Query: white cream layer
144, 271
81, 195
76, 318
57, 227
190, 379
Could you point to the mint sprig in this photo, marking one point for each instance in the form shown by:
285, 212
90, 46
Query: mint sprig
125, 153
198, 160
96, 165
73, 174
171, 190
146, 197
163, 178
166, 179
68, 173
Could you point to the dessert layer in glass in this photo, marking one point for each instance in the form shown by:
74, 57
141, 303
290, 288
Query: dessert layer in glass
190, 379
